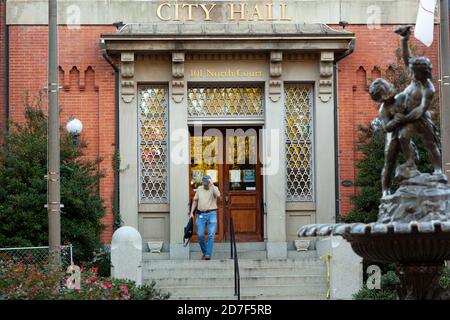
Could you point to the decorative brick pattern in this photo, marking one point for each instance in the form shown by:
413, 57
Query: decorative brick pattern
2, 66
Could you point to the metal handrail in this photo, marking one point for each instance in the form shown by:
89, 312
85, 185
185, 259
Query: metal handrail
237, 277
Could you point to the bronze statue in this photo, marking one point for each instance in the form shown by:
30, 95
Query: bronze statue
405, 115
413, 225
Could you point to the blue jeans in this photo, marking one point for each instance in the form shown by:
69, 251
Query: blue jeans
206, 219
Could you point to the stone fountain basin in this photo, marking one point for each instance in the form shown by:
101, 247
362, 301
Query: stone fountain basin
406, 243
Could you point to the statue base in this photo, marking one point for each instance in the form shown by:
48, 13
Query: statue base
423, 198
420, 282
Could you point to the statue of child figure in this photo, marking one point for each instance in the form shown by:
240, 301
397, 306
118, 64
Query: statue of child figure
405, 115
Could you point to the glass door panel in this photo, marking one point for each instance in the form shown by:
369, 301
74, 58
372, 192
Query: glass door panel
242, 161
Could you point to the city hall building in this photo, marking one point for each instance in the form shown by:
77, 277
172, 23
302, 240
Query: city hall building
274, 90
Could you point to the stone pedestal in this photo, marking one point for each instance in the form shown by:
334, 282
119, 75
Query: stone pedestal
419, 281
345, 267
179, 252
422, 198
276, 250
126, 254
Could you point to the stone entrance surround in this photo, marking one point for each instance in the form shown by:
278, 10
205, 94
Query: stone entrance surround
272, 55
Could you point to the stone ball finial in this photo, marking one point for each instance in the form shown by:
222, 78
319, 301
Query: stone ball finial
126, 234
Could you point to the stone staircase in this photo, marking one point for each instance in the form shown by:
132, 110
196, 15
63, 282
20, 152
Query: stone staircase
301, 276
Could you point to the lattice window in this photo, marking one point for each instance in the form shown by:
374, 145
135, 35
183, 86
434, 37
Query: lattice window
299, 136
227, 101
152, 111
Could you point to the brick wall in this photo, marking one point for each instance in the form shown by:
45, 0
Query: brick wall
2, 66
88, 90
374, 52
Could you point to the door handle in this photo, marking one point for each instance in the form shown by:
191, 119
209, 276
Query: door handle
226, 200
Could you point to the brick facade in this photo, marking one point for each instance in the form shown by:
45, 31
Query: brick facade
2, 65
88, 90
87, 93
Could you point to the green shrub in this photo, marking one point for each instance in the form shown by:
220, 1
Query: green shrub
444, 282
101, 260
26, 281
368, 180
23, 188
95, 287
20, 281
389, 281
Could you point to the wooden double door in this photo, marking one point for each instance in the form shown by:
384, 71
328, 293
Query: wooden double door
231, 157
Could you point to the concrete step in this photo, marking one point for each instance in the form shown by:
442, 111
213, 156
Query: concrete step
320, 296
301, 276
224, 255
298, 255
155, 256
221, 255
225, 246
260, 290
229, 273
246, 281
226, 263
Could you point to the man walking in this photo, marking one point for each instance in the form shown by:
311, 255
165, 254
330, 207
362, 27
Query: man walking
205, 200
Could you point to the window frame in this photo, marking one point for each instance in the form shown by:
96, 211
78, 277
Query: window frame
300, 143
166, 198
215, 118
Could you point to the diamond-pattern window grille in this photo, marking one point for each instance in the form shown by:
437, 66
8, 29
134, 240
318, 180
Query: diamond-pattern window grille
298, 110
229, 101
153, 162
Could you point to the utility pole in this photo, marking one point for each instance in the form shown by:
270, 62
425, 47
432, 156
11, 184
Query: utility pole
445, 85
53, 140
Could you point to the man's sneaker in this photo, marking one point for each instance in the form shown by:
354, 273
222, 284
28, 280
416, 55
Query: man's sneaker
207, 258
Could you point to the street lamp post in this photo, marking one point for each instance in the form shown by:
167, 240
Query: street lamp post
445, 85
53, 141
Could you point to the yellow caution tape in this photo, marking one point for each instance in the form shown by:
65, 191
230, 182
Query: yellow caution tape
327, 258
